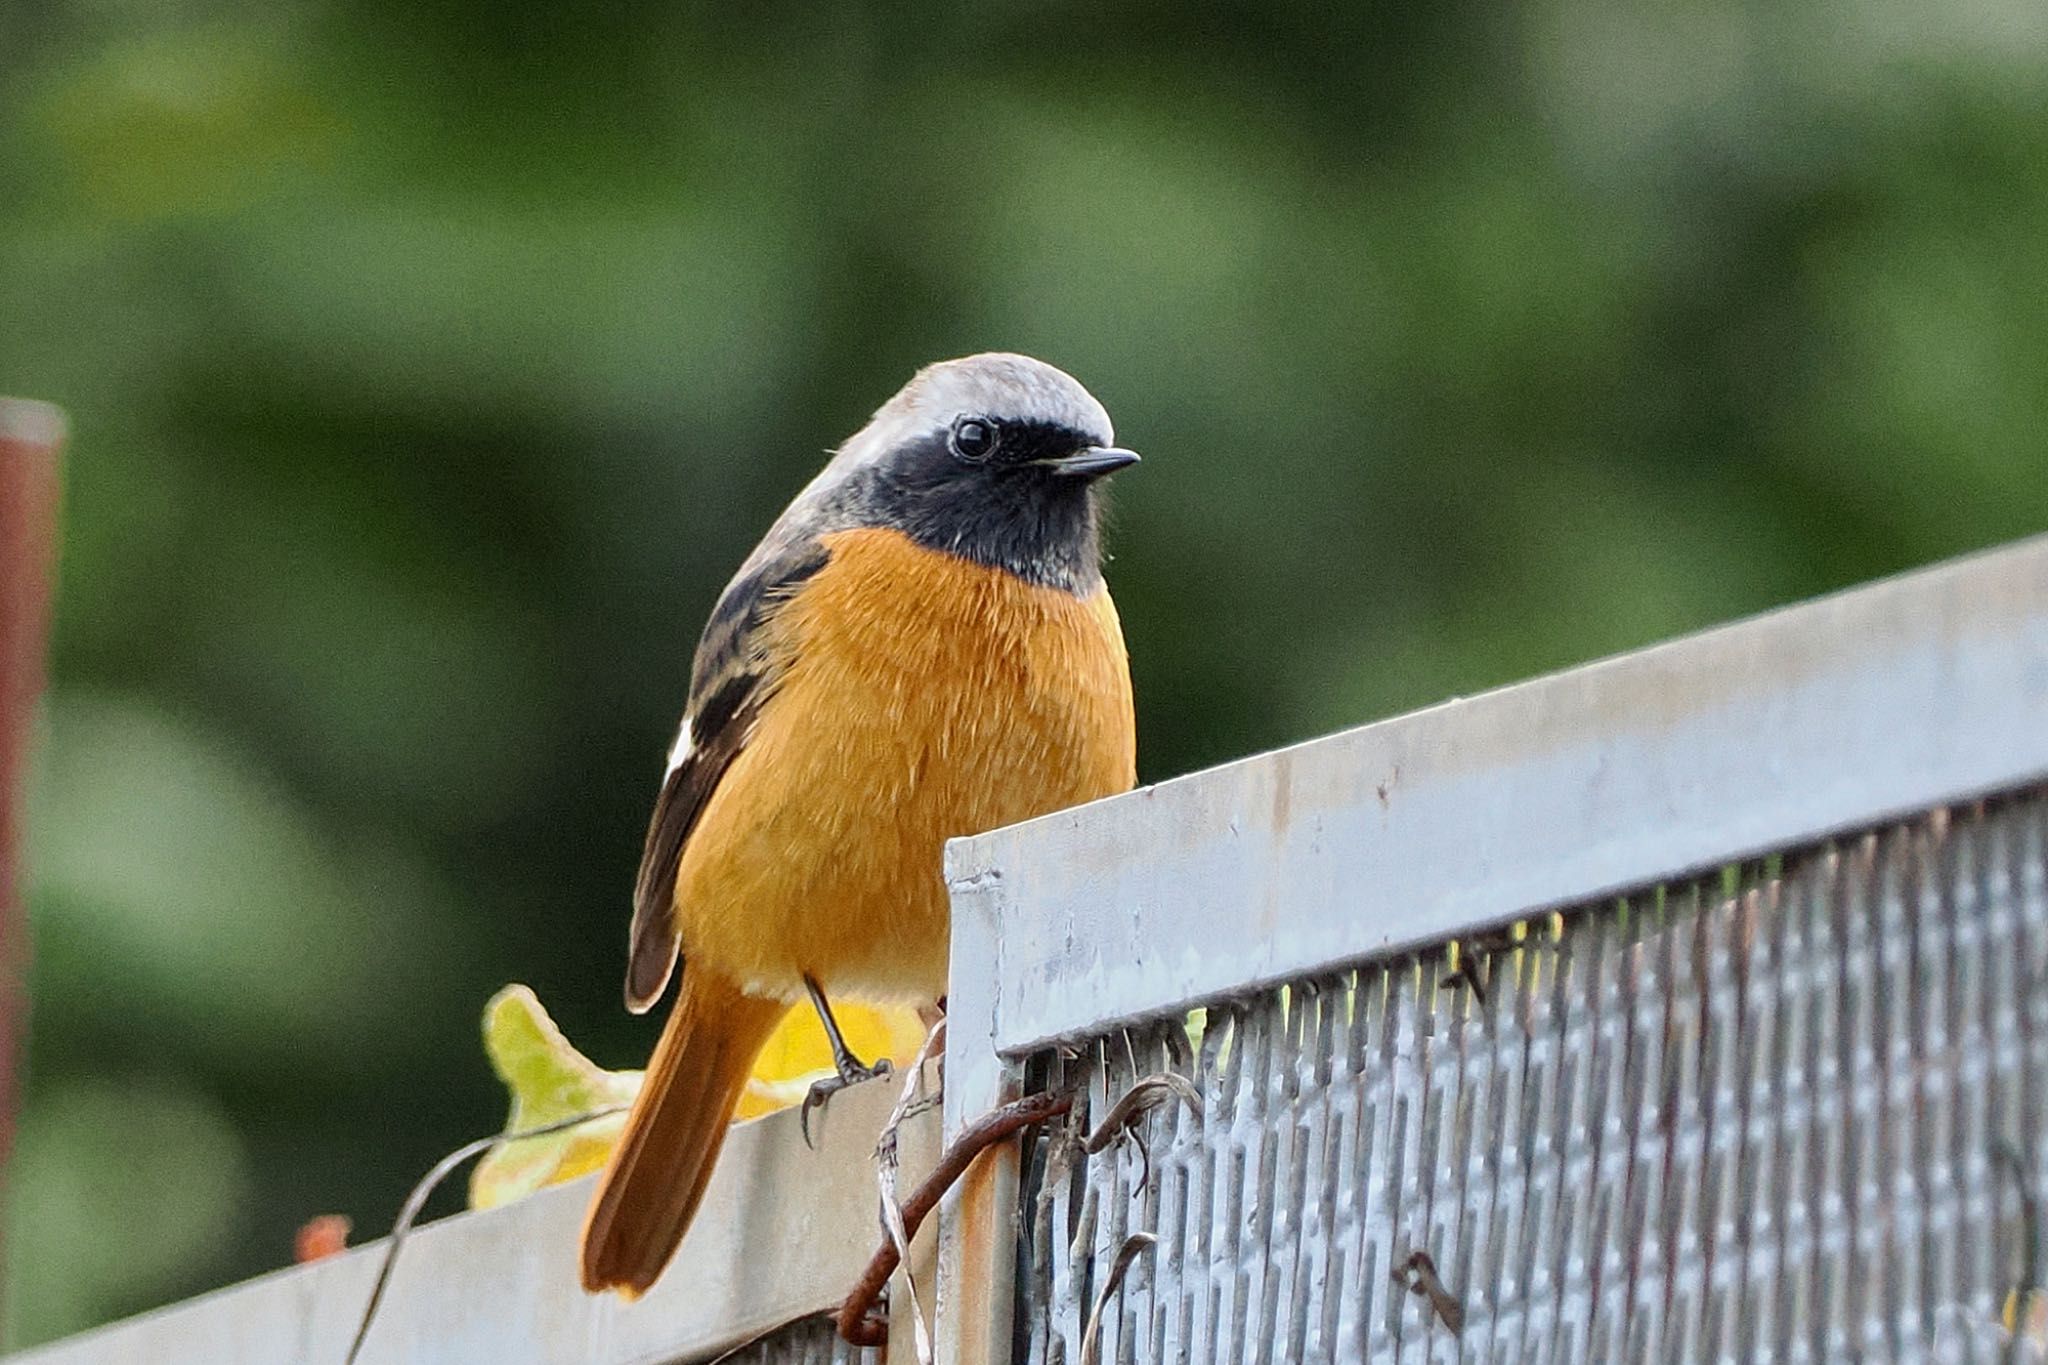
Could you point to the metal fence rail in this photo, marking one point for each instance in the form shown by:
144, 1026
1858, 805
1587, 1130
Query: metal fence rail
783, 1232
1758, 1116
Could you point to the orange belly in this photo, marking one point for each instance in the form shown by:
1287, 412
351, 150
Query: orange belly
926, 697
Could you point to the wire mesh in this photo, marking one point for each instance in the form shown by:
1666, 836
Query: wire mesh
810, 1341
1789, 1112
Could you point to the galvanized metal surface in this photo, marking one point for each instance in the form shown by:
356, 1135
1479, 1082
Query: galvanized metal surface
783, 1232
1752, 1117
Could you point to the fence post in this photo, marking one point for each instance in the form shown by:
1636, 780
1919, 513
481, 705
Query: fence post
30, 435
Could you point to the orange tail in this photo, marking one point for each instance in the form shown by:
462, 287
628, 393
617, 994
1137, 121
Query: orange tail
656, 1175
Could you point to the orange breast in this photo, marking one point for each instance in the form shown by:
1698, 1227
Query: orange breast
926, 697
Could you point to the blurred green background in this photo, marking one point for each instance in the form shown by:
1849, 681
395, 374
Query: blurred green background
431, 367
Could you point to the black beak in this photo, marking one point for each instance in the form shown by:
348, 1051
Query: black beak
1091, 462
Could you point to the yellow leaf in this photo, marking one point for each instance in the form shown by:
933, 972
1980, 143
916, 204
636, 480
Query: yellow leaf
550, 1081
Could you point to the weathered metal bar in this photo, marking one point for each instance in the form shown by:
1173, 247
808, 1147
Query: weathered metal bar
31, 435
782, 1234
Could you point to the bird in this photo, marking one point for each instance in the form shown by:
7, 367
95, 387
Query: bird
922, 646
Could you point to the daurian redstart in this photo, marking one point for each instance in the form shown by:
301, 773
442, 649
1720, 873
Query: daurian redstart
921, 647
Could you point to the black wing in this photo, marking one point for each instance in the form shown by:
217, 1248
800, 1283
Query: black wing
732, 678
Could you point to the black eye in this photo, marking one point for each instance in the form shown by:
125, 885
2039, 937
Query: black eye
974, 439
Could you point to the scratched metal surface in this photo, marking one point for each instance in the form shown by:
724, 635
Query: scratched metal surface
1751, 1117
809, 1342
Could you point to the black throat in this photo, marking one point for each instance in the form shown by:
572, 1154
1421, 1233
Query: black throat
1006, 514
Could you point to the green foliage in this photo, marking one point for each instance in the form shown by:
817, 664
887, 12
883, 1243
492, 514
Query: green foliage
120, 1183
431, 366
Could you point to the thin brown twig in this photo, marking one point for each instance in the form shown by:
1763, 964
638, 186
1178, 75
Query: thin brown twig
1121, 1123
1475, 961
855, 1326
1418, 1275
1091, 1336
885, 1177
414, 1201
1142, 1098
2006, 1157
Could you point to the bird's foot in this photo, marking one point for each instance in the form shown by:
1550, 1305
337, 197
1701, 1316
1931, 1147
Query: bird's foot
851, 1072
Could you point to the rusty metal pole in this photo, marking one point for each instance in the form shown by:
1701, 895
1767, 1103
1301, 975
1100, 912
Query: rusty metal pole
30, 436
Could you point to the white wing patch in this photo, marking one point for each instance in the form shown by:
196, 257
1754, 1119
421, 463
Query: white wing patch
680, 750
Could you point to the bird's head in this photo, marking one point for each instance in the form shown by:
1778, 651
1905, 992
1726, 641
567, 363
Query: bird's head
995, 458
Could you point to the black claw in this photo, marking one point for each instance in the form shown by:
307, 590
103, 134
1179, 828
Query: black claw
812, 1099
850, 1072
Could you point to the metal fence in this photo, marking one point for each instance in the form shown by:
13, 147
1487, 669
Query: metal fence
812, 1341
1687, 1006
1760, 1115
1690, 1006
